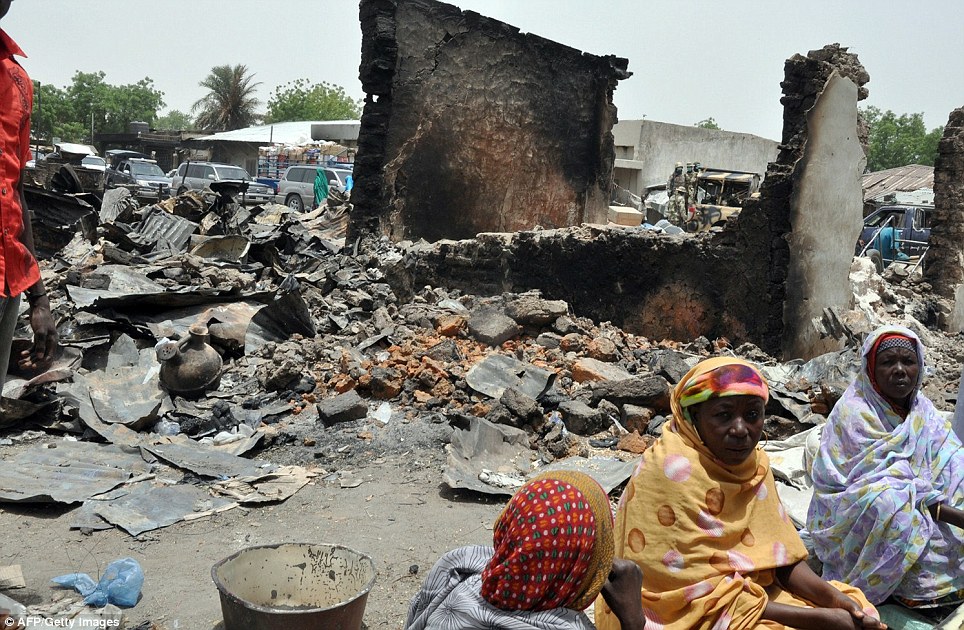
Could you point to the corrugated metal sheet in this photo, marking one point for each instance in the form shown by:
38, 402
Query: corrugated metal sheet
293, 132
164, 228
901, 179
70, 473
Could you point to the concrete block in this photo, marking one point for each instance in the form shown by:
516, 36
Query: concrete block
621, 215
342, 408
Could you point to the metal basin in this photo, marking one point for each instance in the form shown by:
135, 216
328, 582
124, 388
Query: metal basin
295, 586
230, 248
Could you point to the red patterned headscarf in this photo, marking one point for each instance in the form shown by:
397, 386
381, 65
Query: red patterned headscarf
553, 545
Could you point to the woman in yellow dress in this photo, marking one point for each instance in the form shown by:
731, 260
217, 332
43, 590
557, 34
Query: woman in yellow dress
702, 518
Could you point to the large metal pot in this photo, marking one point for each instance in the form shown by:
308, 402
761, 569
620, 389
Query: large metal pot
295, 586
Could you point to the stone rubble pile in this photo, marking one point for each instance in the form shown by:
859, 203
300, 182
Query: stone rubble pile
312, 335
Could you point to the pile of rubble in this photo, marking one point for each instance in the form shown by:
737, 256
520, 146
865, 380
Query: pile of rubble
303, 360
310, 338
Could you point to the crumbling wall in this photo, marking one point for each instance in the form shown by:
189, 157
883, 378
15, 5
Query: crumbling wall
944, 267
790, 273
826, 212
672, 287
732, 283
471, 126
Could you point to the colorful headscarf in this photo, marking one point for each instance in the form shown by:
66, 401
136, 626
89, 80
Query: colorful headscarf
733, 377
894, 340
553, 545
707, 535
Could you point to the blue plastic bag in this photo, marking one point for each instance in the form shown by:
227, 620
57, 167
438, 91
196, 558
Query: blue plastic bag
119, 585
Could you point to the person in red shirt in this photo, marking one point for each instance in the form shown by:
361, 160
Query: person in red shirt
19, 273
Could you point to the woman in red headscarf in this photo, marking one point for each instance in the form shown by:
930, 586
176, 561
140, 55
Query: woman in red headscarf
886, 513
552, 554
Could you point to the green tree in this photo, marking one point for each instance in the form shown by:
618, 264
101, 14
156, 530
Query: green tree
70, 112
230, 102
899, 140
300, 100
174, 120
707, 123
52, 114
129, 103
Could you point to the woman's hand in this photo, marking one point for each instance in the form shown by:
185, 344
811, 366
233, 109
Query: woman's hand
944, 513
622, 593
807, 618
859, 618
41, 354
831, 605
850, 619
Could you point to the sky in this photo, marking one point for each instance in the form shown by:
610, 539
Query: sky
690, 59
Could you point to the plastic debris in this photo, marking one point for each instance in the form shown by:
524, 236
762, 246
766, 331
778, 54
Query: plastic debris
167, 427
119, 585
556, 418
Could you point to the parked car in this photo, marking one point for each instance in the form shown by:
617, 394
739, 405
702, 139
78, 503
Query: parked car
94, 162
199, 175
912, 226
67, 150
144, 177
114, 156
296, 188
35, 156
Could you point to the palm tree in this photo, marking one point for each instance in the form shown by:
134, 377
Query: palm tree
230, 103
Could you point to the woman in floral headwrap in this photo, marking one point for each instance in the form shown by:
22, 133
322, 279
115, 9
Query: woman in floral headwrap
889, 483
702, 518
552, 555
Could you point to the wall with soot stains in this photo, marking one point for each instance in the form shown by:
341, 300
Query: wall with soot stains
471, 126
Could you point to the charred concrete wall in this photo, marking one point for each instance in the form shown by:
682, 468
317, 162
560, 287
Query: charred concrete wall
791, 284
676, 287
944, 267
730, 284
826, 212
471, 126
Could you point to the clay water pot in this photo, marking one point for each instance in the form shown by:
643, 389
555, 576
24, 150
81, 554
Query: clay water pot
190, 366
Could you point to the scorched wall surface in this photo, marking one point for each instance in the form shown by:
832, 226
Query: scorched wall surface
478, 127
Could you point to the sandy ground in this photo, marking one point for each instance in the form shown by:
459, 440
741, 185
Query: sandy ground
400, 514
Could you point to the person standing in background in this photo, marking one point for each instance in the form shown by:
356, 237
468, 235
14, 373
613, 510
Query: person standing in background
19, 273
321, 187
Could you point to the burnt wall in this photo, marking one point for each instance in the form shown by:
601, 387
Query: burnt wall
771, 225
661, 286
471, 126
731, 283
944, 266
826, 216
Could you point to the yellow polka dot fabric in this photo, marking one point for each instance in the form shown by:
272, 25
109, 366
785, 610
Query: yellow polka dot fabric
707, 536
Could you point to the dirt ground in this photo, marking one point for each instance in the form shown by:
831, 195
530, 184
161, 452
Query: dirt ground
401, 514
